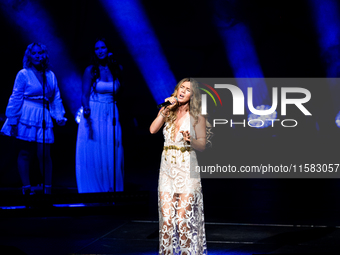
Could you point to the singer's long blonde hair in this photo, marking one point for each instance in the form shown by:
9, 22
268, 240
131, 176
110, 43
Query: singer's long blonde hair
194, 108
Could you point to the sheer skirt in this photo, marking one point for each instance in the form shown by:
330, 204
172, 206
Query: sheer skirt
181, 224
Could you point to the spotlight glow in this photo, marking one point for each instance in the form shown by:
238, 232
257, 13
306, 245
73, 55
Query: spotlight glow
34, 23
12, 207
69, 205
132, 23
240, 51
326, 18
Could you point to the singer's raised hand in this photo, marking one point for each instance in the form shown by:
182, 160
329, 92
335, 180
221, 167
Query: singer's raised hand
162, 114
186, 135
172, 100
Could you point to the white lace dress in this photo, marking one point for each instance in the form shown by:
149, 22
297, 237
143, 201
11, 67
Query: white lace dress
180, 200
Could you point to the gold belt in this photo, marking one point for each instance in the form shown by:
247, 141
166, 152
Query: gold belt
174, 147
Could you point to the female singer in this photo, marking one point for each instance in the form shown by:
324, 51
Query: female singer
26, 111
180, 200
99, 142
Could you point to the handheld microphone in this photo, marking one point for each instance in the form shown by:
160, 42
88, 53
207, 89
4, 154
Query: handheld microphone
165, 104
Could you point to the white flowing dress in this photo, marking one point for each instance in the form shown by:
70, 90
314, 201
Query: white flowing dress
94, 155
25, 107
180, 200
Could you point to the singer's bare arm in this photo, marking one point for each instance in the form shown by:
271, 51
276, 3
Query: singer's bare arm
200, 130
159, 121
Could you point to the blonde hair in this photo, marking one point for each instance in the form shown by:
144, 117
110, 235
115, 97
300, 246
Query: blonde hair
27, 62
194, 109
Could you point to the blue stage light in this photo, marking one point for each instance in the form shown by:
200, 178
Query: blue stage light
327, 20
12, 207
133, 26
34, 23
240, 52
69, 205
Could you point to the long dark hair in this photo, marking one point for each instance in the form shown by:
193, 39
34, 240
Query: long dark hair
112, 64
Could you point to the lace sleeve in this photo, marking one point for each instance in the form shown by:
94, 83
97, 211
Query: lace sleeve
13, 111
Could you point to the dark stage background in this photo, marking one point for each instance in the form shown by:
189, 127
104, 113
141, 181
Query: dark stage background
287, 45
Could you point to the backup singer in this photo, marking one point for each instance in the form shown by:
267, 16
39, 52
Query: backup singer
99, 132
25, 113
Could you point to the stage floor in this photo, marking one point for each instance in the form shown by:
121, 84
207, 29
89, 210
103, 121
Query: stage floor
242, 217
116, 234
